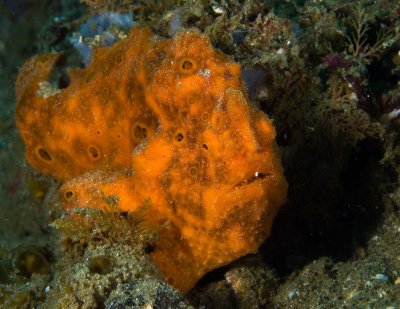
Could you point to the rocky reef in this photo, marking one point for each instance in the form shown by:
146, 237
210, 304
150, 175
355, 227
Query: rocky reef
326, 73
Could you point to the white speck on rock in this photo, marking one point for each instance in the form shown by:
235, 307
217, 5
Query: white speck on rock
293, 294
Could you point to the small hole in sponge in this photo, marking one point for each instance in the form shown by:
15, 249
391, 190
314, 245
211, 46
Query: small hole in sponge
187, 65
205, 146
179, 137
191, 100
69, 195
94, 152
192, 171
105, 93
44, 154
205, 116
139, 132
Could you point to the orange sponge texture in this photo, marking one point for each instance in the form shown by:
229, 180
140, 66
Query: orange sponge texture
178, 133
97, 120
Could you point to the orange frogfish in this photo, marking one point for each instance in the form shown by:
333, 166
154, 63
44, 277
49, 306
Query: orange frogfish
165, 122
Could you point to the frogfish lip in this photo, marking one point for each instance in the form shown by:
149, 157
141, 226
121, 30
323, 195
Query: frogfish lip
256, 177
